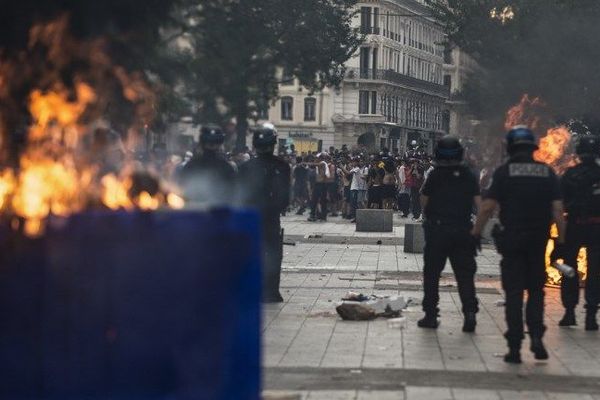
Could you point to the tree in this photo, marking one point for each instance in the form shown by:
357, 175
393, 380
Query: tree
546, 48
240, 47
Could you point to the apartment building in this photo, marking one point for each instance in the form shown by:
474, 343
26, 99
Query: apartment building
393, 91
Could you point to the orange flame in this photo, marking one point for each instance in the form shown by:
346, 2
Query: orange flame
526, 112
554, 276
553, 149
53, 178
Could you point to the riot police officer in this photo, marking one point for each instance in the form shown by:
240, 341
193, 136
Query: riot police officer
208, 178
265, 185
447, 197
581, 190
528, 193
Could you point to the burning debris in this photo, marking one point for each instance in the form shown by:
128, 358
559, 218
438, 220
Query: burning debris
69, 161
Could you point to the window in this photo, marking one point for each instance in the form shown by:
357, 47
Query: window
376, 20
448, 81
375, 58
363, 102
365, 20
310, 105
364, 62
287, 108
373, 102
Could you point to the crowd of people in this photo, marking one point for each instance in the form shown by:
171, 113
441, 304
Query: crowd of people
339, 182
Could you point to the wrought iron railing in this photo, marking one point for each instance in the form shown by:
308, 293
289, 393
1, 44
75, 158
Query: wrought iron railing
392, 76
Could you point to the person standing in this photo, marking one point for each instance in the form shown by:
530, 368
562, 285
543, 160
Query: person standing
447, 197
208, 178
528, 194
264, 183
581, 190
403, 191
318, 206
358, 187
301, 185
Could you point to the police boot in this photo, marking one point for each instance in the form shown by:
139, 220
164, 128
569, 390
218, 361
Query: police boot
538, 349
569, 318
514, 354
430, 321
470, 322
590, 319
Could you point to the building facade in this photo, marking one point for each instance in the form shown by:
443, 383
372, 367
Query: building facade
457, 66
393, 91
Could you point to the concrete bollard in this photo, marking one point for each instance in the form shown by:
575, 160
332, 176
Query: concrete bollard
414, 238
371, 220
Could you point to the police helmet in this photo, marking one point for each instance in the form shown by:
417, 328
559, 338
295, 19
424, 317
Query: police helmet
588, 145
211, 134
449, 151
520, 136
265, 135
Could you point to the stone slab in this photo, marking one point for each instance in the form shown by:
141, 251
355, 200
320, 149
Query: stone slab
414, 238
372, 220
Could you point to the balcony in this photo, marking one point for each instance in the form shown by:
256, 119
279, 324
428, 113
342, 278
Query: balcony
370, 30
393, 77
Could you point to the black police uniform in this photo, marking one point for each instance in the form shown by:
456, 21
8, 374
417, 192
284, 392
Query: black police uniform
265, 184
525, 190
581, 189
447, 225
209, 179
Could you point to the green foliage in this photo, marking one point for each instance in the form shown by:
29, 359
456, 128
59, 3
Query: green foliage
549, 49
240, 46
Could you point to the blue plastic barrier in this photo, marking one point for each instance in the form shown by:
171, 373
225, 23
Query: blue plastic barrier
133, 306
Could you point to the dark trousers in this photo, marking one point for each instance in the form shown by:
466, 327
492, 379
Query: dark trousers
319, 197
272, 252
353, 202
523, 269
443, 242
404, 203
579, 236
415, 201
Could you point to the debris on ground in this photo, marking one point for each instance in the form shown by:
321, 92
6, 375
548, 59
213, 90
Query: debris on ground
397, 323
359, 307
413, 302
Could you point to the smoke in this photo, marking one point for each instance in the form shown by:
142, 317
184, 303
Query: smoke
549, 51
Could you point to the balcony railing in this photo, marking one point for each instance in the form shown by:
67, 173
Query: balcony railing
366, 30
392, 76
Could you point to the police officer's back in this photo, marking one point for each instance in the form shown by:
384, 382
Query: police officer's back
264, 183
447, 197
529, 198
208, 178
581, 190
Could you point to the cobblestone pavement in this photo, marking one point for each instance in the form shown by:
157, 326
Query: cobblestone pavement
310, 353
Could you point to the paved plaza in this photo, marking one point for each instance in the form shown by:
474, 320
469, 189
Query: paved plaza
310, 353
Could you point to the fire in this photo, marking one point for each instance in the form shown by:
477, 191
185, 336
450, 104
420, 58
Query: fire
58, 171
554, 277
525, 113
145, 201
553, 149
115, 193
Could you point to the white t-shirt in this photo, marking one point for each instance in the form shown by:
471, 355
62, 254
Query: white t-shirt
359, 178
